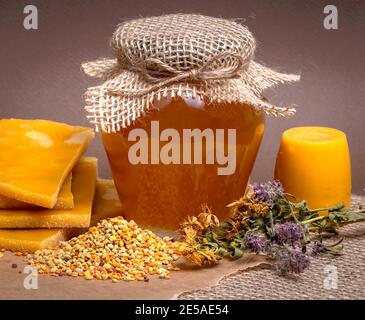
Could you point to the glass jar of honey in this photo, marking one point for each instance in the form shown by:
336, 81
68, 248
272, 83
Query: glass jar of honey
182, 154
181, 113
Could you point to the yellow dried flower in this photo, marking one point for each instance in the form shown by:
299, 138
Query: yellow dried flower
204, 220
207, 219
195, 254
189, 234
258, 208
246, 207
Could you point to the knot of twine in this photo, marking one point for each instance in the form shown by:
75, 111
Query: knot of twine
160, 74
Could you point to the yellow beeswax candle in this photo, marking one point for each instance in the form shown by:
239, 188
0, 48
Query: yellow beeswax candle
313, 164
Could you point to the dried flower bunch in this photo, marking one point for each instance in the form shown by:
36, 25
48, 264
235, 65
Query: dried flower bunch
265, 221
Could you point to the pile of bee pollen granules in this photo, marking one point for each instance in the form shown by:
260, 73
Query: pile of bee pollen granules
115, 249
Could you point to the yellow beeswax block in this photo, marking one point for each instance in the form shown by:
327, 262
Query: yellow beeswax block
106, 205
313, 164
65, 199
106, 202
30, 240
83, 189
37, 156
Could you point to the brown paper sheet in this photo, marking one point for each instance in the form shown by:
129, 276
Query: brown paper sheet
187, 279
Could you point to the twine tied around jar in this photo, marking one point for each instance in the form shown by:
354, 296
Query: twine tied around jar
161, 74
173, 55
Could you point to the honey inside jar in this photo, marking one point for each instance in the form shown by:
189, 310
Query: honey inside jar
175, 175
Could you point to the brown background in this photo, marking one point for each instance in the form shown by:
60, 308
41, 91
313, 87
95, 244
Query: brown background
40, 73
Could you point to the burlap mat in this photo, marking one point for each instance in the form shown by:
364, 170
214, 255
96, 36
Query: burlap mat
312, 284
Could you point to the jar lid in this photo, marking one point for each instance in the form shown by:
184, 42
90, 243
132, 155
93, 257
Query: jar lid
174, 55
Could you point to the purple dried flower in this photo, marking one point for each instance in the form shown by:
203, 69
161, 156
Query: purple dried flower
267, 192
262, 194
277, 187
317, 248
288, 232
256, 243
291, 261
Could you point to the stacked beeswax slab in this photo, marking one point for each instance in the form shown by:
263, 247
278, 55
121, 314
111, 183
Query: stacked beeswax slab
106, 205
65, 199
83, 188
46, 188
36, 158
30, 240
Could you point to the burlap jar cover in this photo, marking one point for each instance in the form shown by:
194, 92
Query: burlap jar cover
175, 55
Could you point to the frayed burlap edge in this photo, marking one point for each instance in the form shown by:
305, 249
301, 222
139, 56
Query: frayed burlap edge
111, 112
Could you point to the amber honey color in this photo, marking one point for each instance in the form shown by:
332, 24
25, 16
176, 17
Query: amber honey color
172, 175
